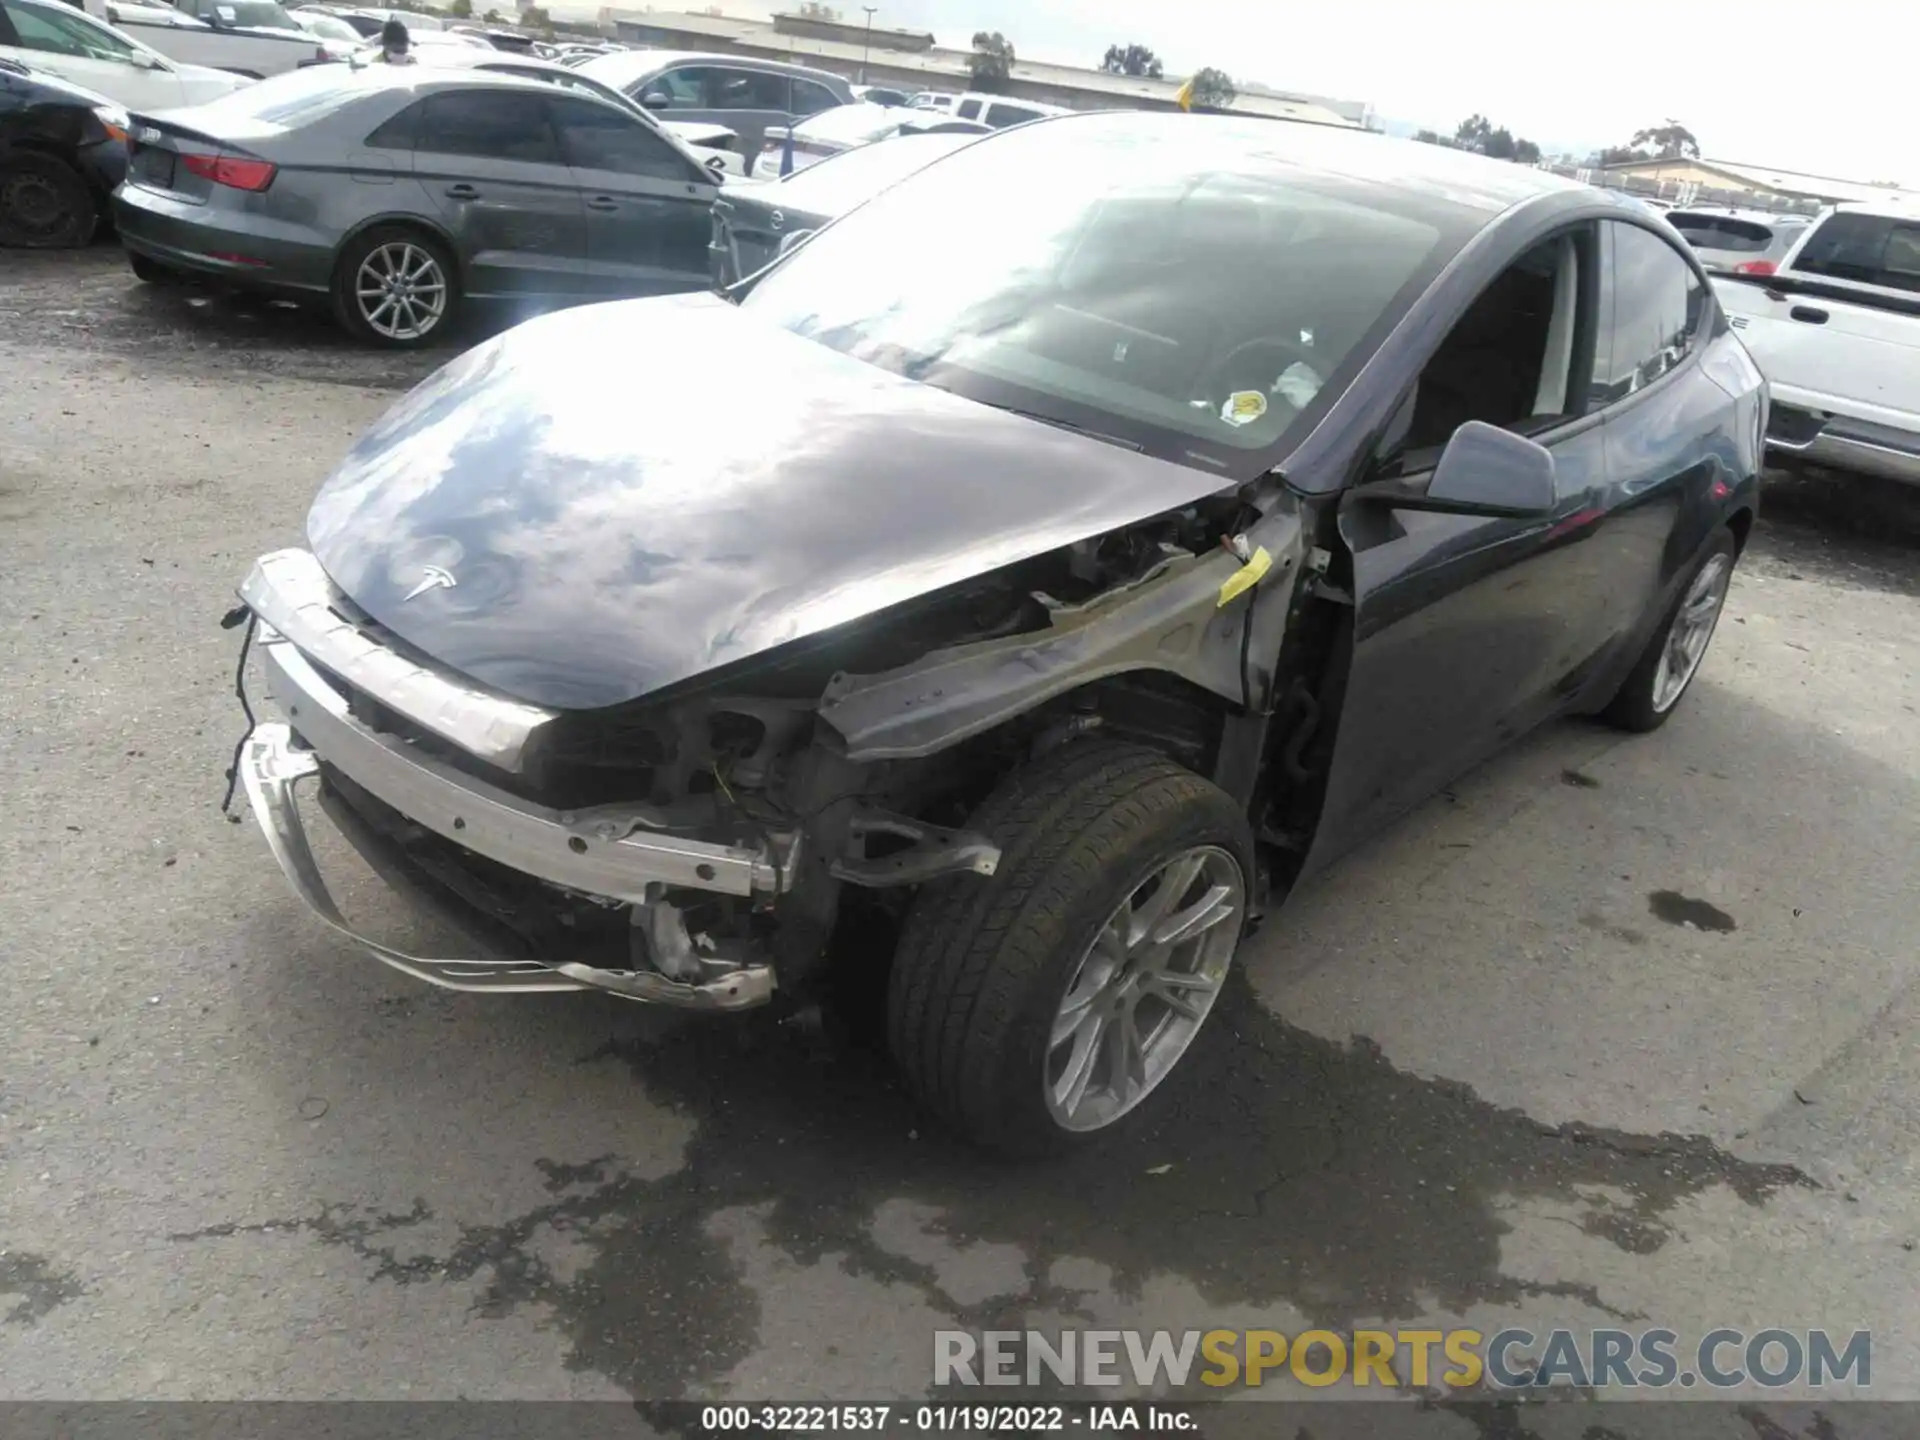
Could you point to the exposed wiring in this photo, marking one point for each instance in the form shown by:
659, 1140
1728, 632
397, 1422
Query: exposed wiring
766, 835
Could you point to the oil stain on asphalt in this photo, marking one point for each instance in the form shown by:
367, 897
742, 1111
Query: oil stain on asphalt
1277, 1132
35, 1284
1677, 909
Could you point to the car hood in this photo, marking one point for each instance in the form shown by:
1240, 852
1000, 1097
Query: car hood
608, 500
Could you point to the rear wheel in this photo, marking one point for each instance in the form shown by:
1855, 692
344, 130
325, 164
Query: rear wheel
393, 286
44, 204
1652, 692
1038, 1008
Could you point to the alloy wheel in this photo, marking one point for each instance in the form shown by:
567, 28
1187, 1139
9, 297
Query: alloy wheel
1143, 988
1690, 630
401, 290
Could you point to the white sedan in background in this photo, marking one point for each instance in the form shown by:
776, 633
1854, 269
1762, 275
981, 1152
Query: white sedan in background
256, 38
55, 37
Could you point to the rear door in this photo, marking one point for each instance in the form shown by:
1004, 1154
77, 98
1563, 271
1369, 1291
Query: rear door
491, 165
64, 42
647, 208
748, 102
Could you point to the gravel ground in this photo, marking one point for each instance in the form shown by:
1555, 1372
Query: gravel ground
1615, 1031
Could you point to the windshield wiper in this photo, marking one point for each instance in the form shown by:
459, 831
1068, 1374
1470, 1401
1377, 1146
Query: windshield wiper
1060, 424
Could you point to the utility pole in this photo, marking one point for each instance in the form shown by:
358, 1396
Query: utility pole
867, 43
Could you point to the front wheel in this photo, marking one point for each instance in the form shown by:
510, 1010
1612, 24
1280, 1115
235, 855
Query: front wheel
1651, 693
394, 287
44, 204
1041, 1006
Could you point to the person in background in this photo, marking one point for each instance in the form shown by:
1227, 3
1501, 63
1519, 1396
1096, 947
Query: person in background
393, 42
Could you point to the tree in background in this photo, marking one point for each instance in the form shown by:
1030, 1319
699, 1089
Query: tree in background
1671, 141
461, 9
991, 63
535, 17
814, 10
492, 17
1481, 136
1213, 87
1131, 60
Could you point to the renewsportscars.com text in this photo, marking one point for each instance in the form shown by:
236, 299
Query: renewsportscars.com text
1510, 1359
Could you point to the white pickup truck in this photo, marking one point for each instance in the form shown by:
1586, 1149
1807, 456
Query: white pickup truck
1836, 331
256, 38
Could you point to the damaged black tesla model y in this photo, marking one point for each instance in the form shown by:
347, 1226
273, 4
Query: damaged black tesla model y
1044, 567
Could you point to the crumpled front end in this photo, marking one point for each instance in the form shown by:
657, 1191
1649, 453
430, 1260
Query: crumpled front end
429, 778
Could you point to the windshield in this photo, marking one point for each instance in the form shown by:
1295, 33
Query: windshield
1185, 290
842, 181
260, 15
328, 27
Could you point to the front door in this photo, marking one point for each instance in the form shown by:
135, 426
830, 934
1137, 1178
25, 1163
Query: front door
1469, 630
491, 165
648, 211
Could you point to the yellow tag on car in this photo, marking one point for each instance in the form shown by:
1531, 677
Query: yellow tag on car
1246, 577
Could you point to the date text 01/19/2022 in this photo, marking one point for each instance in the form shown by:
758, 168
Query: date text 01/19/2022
940, 1419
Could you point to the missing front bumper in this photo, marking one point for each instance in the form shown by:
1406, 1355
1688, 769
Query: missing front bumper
272, 766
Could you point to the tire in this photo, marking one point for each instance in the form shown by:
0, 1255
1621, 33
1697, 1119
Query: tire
986, 966
44, 204
1647, 699
151, 272
370, 257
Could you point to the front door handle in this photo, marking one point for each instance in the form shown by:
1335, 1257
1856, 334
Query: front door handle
603, 202
462, 192
1807, 314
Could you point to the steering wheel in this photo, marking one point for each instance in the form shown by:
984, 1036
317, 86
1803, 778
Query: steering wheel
1213, 382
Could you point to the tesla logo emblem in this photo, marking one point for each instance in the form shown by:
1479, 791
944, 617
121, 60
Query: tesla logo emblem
777, 219
432, 578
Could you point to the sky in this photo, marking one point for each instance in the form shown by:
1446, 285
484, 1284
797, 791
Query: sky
1750, 80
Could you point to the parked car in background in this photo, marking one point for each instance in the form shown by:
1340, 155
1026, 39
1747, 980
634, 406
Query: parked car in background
713, 146
255, 38
754, 224
62, 151
373, 20
1748, 242
879, 95
1034, 576
789, 149
1836, 330
464, 186
932, 100
744, 94
54, 38
325, 26
1000, 112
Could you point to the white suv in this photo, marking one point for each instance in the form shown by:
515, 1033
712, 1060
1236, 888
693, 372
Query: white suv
1000, 112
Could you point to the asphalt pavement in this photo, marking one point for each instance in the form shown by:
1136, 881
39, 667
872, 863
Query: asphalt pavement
1617, 1030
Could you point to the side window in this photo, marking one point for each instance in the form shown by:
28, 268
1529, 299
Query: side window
686, 88
1867, 249
748, 90
968, 110
1900, 265
1003, 115
397, 131
811, 99
65, 34
1657, 300
487, 124
597, 137
1520, 357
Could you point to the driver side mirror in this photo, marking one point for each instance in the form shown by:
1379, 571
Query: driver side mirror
655, 100
144, 61
1483, 470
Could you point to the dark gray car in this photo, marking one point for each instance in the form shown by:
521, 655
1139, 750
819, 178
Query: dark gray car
746, 95
399, 193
